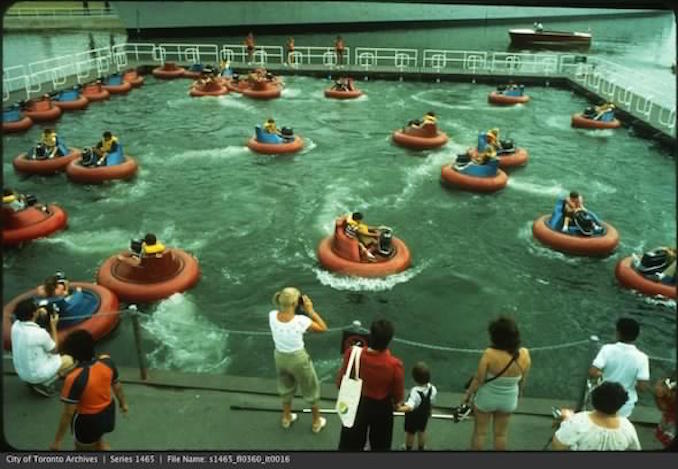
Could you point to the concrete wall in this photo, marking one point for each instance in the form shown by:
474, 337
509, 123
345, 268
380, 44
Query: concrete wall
144, 15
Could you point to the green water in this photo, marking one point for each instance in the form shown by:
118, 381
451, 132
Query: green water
254, 222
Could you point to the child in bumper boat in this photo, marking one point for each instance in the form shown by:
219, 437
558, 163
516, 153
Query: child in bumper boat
368, 236
573, 204
101, 154
148, 247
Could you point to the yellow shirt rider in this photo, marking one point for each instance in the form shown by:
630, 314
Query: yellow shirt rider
106, 145
270, 126
492, 138
366, 236
429, 118
13, 200
48, 141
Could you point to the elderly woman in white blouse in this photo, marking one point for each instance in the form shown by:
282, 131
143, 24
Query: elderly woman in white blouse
292, 318
600, 429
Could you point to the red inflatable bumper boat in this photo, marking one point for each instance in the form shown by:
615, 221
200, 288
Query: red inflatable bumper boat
475, 178
116, 85
71, 100
420, 138
27, 165
168, 71
235, 86
153, 278
94, 175
341, 253
133, 78
213, 88
36, 221
97, 312
43, 110
342, 94
13, 120
501, 99
571, 243
263, 90
275, 148
95, 92
579, 121
514, 159
631, 278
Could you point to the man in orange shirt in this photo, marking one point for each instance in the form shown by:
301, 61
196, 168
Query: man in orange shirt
87, 395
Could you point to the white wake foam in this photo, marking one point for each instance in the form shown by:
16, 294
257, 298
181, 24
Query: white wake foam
341, 282
219, 153
551, 191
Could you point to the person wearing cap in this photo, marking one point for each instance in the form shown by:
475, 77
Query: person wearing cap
573, 204
107, 145
35, 351
293, 317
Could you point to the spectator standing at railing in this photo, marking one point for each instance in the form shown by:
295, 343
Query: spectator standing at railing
85, 6
289, 322
290, 50
624, 363
249, 44
339, 50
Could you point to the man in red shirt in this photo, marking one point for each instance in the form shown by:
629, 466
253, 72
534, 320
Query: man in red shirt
383, 389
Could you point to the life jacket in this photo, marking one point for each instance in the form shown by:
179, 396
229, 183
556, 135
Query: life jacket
8, 199
430, 119
107, 144
153, 248
270, 127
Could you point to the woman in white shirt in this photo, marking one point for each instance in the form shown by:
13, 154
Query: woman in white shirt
601, 429
294, 316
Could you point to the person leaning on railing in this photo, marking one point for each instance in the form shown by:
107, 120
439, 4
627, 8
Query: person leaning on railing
289, 322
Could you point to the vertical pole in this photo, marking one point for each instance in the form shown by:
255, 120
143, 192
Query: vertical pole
137, 342
594, 346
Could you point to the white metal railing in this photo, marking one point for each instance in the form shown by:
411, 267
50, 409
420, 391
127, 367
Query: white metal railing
372, 57
34, 12
261, 55
624, 87
325, 56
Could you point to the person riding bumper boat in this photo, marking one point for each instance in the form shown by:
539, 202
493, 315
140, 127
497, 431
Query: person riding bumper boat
48, 147
658, 264
105, 153
370, 239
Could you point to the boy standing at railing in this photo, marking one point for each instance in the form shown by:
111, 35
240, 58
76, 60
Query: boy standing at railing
249, 44
417, 408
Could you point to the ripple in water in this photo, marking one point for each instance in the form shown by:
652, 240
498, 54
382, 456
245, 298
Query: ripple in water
220, 153
536, 248
186, 340
237, 103
552, 191
103, 241
341, 282
418, 97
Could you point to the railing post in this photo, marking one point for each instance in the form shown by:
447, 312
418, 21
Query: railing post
134, 313
585, 395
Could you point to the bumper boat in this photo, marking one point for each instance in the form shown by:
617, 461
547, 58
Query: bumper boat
133, 78
507, 98
168, 71
235, 86
652, 274
340, 253
586, 234
116, 85
32, 163
586, 120
155, 277
95, 92
118, 166
213, 88
13, 120
274, 144
42, 110
420, 138
33, 222
508, 154
334, 93
70, 100
263, 90
94, 309
470, 176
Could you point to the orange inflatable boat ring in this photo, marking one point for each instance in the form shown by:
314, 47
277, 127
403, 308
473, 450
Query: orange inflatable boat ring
155, 277
95, 92
632, 278
340, 253
515, 159
71, 100
263, 90
168, 71
93, 175
274, 144
33, 222
43, 110
13, 120
212, 88
116, 85
502, 99
467, 175
579, 121
133, 78
46, 166
420, 138
96, 312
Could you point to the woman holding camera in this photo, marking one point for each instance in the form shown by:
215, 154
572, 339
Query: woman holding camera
292, 318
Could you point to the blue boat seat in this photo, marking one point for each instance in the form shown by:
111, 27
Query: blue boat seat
265, 137
487, 170
114, 80
11, 115
67, 95
116, 157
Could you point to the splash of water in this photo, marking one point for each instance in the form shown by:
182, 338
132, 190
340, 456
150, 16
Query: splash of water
551, 191
534, 247
340, 282
185, 339
219, 153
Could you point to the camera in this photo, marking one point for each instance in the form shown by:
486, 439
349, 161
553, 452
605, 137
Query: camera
135, 245
556, 413
300, 305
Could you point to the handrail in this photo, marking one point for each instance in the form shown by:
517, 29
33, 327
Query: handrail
57, 12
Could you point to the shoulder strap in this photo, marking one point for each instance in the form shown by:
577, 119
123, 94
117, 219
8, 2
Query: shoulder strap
513, 358
353, 360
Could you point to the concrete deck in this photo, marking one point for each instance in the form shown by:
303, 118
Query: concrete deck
183, 411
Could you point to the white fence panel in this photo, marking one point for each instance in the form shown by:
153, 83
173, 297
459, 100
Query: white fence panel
401, 59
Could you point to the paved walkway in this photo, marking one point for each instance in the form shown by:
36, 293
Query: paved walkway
185, 411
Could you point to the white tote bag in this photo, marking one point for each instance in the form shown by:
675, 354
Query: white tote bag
349, 390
